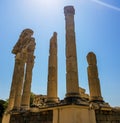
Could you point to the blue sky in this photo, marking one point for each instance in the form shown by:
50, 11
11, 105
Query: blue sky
97, 27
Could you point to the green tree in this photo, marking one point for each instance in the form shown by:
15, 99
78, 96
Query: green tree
32, 96
3, 106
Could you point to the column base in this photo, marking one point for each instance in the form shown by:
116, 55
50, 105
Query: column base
52, 100
15, 110
25, 107
99, 104
74, 98
72, 95
96, 99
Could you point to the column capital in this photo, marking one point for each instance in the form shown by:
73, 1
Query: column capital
18, 56
69, 10
23, 40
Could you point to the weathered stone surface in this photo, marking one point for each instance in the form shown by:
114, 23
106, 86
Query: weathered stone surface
33, 117
52, 71
75, 108
104, 116
94, 83
23, 40
39, 100
14, 83
83, 94
62, 114
71, 55
28, 75
19, 84
23, 50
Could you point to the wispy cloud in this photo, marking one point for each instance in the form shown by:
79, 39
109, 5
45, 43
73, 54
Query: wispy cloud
106, 5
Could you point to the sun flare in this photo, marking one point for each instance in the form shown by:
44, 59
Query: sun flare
50, 3
45, 3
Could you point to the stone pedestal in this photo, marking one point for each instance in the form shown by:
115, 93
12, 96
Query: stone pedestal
73, 114
71, 55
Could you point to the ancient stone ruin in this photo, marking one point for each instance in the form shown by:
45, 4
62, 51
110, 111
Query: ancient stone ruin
24, 57
77, 106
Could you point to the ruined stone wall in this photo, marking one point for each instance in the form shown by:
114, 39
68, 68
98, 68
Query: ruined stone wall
102, 116
33, 117
107, 116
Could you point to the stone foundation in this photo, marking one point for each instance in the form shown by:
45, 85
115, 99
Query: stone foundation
104, 116
59, 114
66, 114
32, 117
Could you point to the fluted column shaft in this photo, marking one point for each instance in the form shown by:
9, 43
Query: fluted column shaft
25, 102
52, 71
71, 55
94, 82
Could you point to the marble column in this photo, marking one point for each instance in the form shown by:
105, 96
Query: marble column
94, 82
19, 83
72, 83
25, 102
14, 83
52, 71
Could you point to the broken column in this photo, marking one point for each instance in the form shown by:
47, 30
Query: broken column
94, 83
21, 47
25, 102
21, 55
72, 84
52, 71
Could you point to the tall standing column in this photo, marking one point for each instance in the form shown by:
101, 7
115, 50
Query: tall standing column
25, 102
19, 83
14, 83
71, 56
52, 71
94, 83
